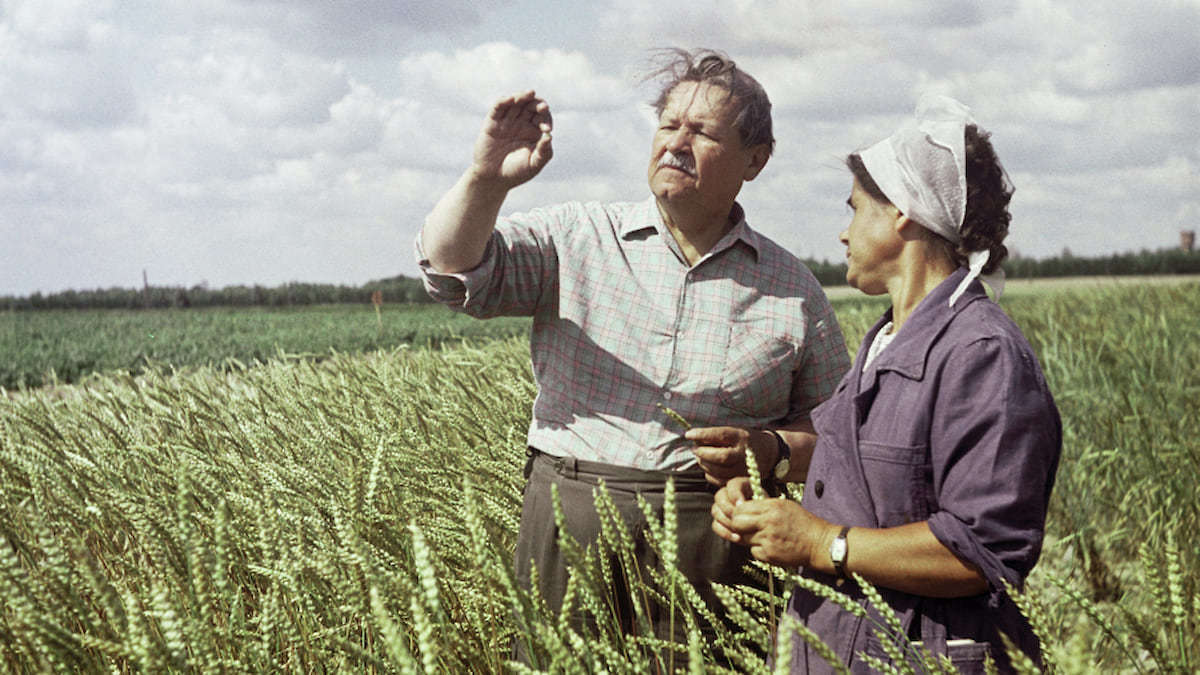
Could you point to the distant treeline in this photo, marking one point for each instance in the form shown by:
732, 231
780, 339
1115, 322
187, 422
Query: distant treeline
1165, 261
399, 289
402, 289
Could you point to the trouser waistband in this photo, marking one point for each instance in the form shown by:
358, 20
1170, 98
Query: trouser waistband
619, 477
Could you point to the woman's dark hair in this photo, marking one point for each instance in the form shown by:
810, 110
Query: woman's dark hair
985, 223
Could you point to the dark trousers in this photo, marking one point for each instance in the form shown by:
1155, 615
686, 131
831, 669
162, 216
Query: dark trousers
703, 557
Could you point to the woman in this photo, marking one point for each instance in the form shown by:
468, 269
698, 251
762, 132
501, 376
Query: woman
937, 453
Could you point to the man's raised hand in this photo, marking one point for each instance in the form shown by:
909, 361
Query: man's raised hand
515, 142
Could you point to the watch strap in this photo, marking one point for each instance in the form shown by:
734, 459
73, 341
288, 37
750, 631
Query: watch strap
785, 455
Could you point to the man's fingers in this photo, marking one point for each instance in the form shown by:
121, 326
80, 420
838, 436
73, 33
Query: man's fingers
543, 151
718, 455
519, 115
520, 99
524, 108
722, 468
720, 464
719, 436
718, 474
714, 480
506, 108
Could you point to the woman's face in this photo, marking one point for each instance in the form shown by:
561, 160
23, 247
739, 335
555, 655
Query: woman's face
872, 242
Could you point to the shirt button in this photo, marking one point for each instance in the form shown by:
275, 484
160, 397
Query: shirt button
667, 395
819, 488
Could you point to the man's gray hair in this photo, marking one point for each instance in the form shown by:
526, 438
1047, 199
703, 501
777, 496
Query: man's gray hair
712, 67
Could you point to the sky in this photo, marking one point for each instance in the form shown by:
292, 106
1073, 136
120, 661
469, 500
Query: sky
226, 142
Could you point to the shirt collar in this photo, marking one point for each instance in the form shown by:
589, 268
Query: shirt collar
647, 216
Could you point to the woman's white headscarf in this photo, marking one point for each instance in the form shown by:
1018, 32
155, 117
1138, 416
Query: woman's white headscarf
921, 169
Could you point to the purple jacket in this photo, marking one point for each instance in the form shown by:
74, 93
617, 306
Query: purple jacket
952, 424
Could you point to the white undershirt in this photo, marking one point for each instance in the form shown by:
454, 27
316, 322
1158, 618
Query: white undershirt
882, 339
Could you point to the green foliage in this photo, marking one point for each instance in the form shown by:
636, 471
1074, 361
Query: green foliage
55, 347
357, 513
1145, 262
403, 289
399, 289
259, 519
1124, 367
827, 273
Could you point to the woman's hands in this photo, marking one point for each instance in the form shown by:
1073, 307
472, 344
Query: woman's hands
777, 531
907, 558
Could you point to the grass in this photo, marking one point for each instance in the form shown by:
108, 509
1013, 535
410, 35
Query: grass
52, 347
357, 512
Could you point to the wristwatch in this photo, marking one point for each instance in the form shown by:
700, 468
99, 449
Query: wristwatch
837, 553
784, 463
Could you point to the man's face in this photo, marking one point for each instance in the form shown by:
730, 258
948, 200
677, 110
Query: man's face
697, 156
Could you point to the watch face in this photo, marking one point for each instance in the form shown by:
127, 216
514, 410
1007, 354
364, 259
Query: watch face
782, 468
838, 550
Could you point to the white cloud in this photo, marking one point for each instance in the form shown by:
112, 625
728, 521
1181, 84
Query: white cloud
61, 64
315, 136
362, 28
1125, 46
839, 84
250, 80
600, 135
478, 76
776, 27
58, 24
1038, 103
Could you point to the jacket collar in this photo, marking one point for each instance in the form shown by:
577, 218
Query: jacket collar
908, 354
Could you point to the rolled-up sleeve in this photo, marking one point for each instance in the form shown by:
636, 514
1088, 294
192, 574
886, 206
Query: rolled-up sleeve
995, 445
518, 266
455, 289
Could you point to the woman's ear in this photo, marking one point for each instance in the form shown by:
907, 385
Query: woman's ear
906, 227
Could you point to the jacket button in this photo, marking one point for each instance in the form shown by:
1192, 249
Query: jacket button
819, 488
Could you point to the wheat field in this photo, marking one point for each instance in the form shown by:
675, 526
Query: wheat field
357, 513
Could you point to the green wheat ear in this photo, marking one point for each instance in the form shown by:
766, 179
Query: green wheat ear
752, 469
675, 416
1035, 613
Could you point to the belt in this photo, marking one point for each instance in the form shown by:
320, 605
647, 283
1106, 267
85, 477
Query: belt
621, 477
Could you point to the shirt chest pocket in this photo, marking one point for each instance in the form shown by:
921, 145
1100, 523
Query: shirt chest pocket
893, 441
756, 377
899, 478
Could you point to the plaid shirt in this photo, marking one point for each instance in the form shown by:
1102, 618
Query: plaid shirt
745, 337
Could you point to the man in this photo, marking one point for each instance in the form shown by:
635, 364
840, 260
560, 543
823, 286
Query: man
672, 301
